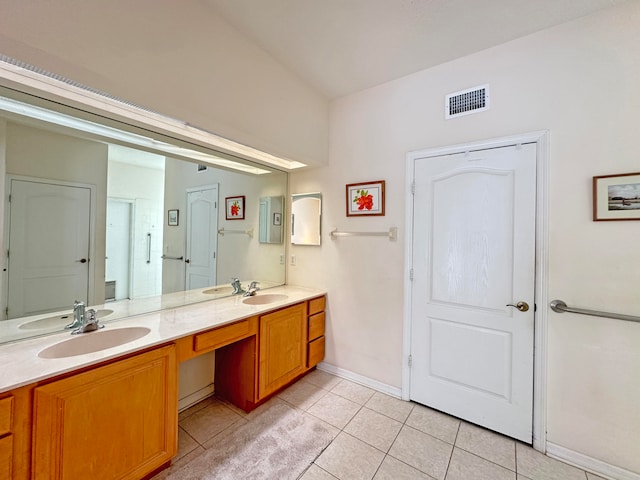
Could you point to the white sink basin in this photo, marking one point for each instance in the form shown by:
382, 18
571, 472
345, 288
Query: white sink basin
219, 291
264, 299
58, 321
93, 342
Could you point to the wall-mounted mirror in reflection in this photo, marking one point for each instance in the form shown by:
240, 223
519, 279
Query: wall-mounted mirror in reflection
306, 210
271, 213
89, 219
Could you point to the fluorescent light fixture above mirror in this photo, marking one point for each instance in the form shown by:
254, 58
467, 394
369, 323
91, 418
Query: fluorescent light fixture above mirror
68, 121
33, 78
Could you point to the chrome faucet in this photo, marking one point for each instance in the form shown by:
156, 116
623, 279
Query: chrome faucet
89, 323
83, 320
252, 289
78, 315
237, 288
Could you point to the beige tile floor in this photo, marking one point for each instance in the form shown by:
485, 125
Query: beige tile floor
380, 437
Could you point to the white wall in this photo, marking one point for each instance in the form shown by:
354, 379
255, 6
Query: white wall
580, 81
178, 58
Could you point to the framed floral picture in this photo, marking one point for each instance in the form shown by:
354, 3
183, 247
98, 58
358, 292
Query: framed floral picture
616, 197
234, 208
365, 198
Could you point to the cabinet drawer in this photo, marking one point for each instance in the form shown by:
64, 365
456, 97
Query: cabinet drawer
221, 336
316, 326
6, 452
6, 412
315, 352
316, 305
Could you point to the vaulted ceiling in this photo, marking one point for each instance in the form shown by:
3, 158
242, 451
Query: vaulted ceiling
343, 46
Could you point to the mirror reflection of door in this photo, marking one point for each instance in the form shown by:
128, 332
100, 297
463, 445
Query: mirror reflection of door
202, 237
118, 248
49, 232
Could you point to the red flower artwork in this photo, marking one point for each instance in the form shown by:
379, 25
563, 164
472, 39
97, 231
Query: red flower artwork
364, 199
234, 208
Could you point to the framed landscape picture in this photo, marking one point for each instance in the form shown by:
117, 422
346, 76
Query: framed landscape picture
616, 197
172, 218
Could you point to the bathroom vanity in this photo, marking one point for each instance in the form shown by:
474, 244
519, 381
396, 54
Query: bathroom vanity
112, 413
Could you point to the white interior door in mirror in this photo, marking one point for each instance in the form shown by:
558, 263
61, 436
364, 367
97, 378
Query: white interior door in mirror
202, 237
49, 233
306, 211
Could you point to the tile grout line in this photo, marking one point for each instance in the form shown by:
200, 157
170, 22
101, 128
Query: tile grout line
386, 454
486, 460
453, 447
340, 430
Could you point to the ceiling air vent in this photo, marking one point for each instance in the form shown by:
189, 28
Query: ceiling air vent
466, 102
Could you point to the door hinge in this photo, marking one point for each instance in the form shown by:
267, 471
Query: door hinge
6, 312
413, 188
214, 255
9, 198
215, 204
410, 360
411, 274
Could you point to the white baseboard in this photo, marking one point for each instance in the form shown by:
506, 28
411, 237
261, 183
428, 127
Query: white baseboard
361, 379
195, 397
590, 464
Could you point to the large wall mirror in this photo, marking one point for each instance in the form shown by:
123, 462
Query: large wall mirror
95, 217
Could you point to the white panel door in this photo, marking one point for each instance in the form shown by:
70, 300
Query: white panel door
202, 238
49, 232
474, 253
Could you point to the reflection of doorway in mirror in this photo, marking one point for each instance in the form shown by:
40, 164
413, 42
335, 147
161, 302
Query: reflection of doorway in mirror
48, 237
118, 247
138, 178
202, 237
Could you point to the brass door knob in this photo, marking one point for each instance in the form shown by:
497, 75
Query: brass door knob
522, 306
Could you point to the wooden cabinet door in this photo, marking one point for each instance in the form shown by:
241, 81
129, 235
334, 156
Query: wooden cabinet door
283, 340
6, 457
116, 421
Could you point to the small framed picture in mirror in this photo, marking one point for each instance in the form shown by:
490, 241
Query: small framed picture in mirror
172, 218
234, 208
277, 219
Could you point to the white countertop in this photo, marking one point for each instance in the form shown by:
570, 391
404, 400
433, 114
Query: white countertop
20, 364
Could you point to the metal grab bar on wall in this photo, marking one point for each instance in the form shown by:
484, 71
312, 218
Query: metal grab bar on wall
249, 232
559, 306
148, 248
167, 257
391, 234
